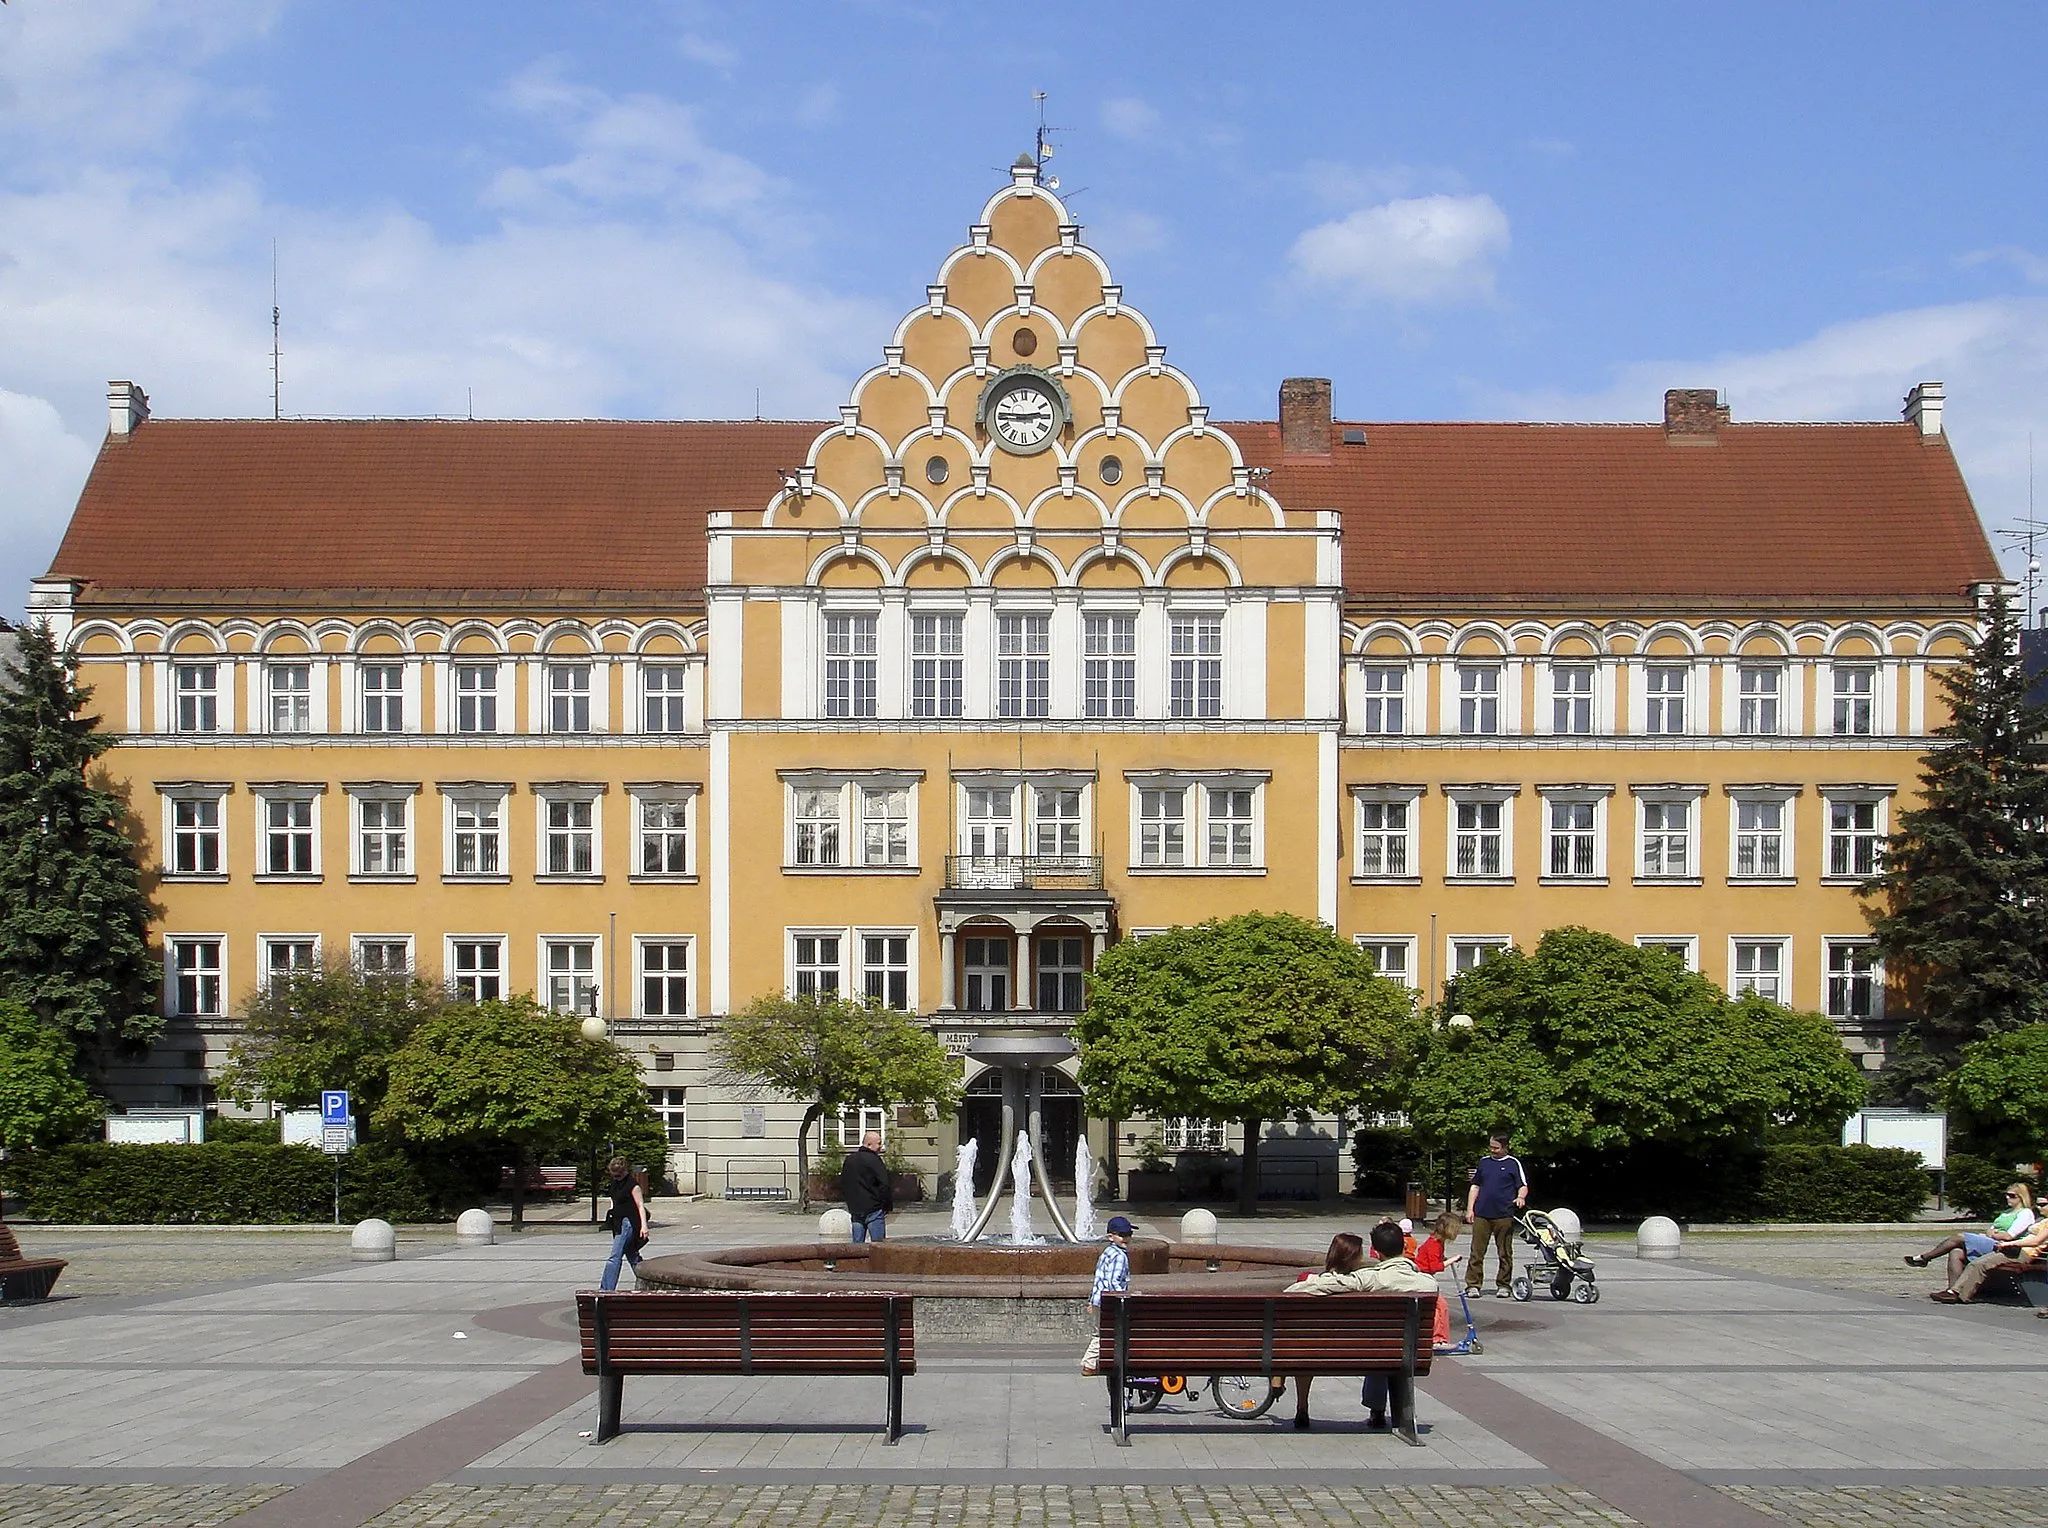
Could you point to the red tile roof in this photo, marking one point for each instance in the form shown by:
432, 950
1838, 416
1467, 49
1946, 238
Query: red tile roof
1430, 510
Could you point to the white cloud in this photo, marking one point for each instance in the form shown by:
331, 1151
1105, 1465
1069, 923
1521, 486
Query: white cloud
708, 51
1130, 118
45, 465
2032, 267
1412, 251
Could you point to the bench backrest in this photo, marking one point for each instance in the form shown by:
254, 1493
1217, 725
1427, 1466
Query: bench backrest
10, 1249
1269, 1334
712, 1333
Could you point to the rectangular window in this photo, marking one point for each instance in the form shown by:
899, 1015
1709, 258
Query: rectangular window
664, 837
1855, 838
195, 835
384, 957
1386, 698
815, 963
477, 969
1760, 839
1162, 827
476, 697
1056, 822
291, 697
571, 837
1195, 674
990, 820
1760, 969
383, 686
884, 825
664, 978
1471, 954
1571, 705
1683, 948
1479, 698
1023, 665
672, 1104
1392, 958
661, 697
885, 970
1855, 700
1109, 666
1062, 973
1187, 1133
1757, 702
288, 836
1384, 838
817, 825
380, 824
288, 957
1664, 697
195, 977
1479, 838
936, 645
1667, 838
1230, 826
1855, 979
572, 974
478, 835
197, 710
985, 967
1573, 844
849, 664
568, 697
851, 1126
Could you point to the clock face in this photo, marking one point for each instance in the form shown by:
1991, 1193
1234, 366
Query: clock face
1024, 417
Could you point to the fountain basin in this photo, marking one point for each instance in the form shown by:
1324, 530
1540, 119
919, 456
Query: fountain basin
981, 1292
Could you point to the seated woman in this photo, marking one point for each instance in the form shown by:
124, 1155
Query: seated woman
1963, 1248
1341, 1274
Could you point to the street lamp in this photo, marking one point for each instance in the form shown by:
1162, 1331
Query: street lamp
593, 1028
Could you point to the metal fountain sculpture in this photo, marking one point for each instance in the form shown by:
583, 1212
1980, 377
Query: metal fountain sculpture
1022, 1059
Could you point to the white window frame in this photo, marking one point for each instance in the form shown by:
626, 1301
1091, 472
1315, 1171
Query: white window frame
205, 711
1070, 835
1194, 678
279, 791
1657, 717
672, 1104
267, 948
792, 940
453, 977
297, 700
1834, 945
584, 999
1786, 799
642, 974
1196, 820
1842, 704
1747, 716
383, 795
1491, 943
548, 794
1878, 799
850, 1125
1692, 798
218, 970
1587, 697
847, 792
668, 795
1405, 943
1736, 976
193, 793
1385, 710
1592, 796
1472, 701
1409, 799
1686, 946
1456, 796
1028, 669
940, 664
562, 722
498, 695
1185, 1132
381, 700
849, 644
857, 956
659, 707
458, 797
1109, 667
358, 943
882, 835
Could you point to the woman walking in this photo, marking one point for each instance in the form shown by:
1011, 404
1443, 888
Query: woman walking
627, 1222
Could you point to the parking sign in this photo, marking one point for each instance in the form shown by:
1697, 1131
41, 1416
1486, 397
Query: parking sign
334, 1106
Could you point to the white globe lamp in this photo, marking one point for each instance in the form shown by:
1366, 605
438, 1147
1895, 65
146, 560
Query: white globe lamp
593, 1029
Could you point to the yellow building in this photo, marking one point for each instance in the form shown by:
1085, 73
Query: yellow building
1023, 654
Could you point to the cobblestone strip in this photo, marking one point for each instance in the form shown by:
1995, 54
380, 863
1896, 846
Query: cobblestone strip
127, 1506
1883, 1506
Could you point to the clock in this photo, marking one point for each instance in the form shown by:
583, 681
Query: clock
1024, 409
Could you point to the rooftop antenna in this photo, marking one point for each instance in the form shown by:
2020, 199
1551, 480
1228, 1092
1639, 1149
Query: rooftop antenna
276, 353
757, 405
2026, 538
1041, 148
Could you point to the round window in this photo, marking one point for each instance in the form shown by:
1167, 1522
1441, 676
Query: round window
935, 470
1024, 342
1112, 469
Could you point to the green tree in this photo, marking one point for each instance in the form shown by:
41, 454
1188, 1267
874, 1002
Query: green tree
331, 1028
832, 1052
43, 1100
1251, 1018
1964, 914
1589, 1043
1998, 1096
74, 922
511, 1076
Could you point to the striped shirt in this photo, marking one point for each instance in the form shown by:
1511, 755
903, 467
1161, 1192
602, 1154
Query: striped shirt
1112, 1274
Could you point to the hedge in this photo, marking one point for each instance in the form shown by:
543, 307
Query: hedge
1978, 1184
1835, 1183
215, 1184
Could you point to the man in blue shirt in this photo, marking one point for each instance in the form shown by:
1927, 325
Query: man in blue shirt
1112, 1276
1499, 1188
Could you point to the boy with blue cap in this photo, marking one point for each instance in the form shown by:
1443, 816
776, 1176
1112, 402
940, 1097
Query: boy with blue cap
1112, 1275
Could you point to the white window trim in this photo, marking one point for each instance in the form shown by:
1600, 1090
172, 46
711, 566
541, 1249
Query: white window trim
1664, 794
542, 666
1387, 795
408, 665
270, 937
1884, 686
846, 604
1786, 796
1784, 942
604, 1003
1456, 795
1186, 608
1731, 695
449, 974
794, 932
316, 693
1129, 611
634, 686
1040, 606
169, 794
1414, 693
357, 941
223, 667
1599, 705
187, 936
449, 698
639, 1004
1452, 941
1410, 979
262, 793
1453, 694
1828, 942
856, 960
1196, 783
548, 791
1596, 796
848, 784
1690, 941
667, 793
1878, 793
359, 792
1695, 694
454, 793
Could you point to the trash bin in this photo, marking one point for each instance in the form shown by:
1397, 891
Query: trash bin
1418, 1203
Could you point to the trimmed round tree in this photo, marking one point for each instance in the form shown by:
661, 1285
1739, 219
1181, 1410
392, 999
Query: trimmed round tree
1998, 1096
1252, 1018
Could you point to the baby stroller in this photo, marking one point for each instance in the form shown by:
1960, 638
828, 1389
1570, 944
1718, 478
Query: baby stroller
1561, 1266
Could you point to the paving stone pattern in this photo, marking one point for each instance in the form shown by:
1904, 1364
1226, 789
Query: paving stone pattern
127, 1506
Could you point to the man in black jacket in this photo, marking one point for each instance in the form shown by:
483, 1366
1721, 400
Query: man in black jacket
864, 1185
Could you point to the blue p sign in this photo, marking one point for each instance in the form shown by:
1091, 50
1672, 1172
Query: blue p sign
334, 1107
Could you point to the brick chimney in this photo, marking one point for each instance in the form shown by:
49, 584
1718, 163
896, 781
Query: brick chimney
1692, 415
1923, 407
1305, 416
127, 407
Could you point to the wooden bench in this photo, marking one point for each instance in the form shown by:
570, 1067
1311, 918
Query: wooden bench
710, 1333
542, 1180
2029, 1278
25, 1278
1274, 1336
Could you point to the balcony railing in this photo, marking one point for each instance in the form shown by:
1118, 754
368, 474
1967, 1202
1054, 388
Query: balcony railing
1024, 872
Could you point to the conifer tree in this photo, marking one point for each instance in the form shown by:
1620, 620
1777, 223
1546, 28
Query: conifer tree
1965, 887
74, 922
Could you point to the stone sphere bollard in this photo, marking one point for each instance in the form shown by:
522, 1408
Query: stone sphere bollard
1198, 1226
373, 1241
1657, 1237
1568, 1225
835, 1226
475, 1228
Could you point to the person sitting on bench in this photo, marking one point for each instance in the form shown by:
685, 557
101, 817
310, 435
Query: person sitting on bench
2028, 1251
2017, 1218
1341, 1275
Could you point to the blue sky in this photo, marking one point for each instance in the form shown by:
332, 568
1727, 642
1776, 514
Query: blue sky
565, 209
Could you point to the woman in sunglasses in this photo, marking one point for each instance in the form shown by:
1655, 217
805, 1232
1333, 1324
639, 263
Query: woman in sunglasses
2016, 1220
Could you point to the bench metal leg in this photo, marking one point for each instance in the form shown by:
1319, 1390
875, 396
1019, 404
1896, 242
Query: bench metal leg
1401, 1395
1116, 1409
610, 1393
895, 1408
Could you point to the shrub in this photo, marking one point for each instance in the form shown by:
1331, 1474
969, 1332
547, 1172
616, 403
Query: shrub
230, 1130
1840, 1183
214, 1184
1977, 1184
1385, 1159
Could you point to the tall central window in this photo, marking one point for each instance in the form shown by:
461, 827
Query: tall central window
1195, 678
568, 697
1572, 840
1109, 676
1056, 821
1479, 838
935, 680
1855, 838
1855, 700
661, 686
570, 836
1757, 712
197, 696
1571, 690
288, 835
1023, 665
1386, 698
572, 975
1759, 838
476, 697
291, 697
1667, 838
476, 834
1479, 698
849, 665
1383, 828
1162, 827
383, 697
1664, 698
381, 841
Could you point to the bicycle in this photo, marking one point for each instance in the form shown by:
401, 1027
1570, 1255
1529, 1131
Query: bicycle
1243, 1396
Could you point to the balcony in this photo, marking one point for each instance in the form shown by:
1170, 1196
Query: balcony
1056, 873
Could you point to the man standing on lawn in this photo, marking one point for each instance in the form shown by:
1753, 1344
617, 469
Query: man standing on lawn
865, 1183
1499, 1189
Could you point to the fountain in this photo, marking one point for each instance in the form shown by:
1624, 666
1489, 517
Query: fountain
1021, 1233
963, 1188
1021, 1059
1085, 1228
